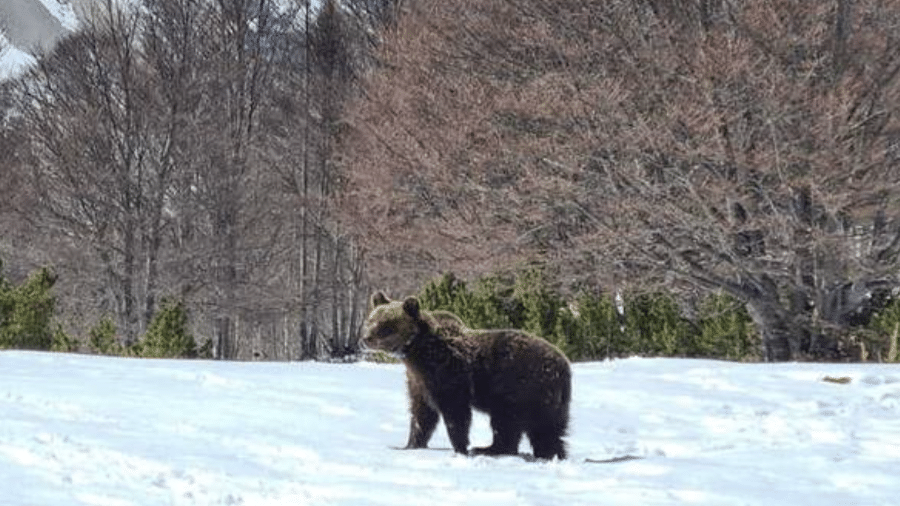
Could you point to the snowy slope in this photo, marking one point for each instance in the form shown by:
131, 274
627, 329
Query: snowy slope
32, 26
62, 11
13, 61
79, 430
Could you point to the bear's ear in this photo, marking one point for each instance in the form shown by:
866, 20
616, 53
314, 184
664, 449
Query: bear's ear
411, 306
379, 299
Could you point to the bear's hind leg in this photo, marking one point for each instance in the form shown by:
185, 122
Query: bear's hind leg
547, 442
507, 434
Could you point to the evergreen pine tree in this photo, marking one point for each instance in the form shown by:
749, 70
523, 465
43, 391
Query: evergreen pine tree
168, 335
26, 312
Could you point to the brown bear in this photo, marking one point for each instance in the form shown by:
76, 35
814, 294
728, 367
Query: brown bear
521, 381
423, 417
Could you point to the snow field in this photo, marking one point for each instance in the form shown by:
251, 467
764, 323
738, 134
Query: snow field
81, 430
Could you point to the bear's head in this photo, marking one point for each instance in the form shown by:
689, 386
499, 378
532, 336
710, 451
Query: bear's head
391, 324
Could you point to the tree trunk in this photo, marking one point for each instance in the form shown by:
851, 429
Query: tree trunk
225, 340
153, 247
304, 201
780, 339
780, 329
337, 348
128, 316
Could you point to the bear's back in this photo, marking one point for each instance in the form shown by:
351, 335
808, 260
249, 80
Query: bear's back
512, 369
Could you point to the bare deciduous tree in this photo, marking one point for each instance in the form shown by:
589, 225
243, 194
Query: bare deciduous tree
715, 145
182, 148
95, 152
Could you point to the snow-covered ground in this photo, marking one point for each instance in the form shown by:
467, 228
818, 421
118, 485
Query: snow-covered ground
116, 432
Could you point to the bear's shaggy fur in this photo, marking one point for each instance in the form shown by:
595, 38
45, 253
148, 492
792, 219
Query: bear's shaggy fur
423, 417
522, 382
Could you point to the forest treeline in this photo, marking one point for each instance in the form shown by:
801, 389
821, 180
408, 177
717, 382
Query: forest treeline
598, 326
181, 150
589, 326
263, 165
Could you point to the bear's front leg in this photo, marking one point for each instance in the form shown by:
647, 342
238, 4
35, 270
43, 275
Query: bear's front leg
458, 418
422, 421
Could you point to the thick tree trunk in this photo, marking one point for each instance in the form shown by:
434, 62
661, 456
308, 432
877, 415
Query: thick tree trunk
780, 330
225, 339
780, 338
